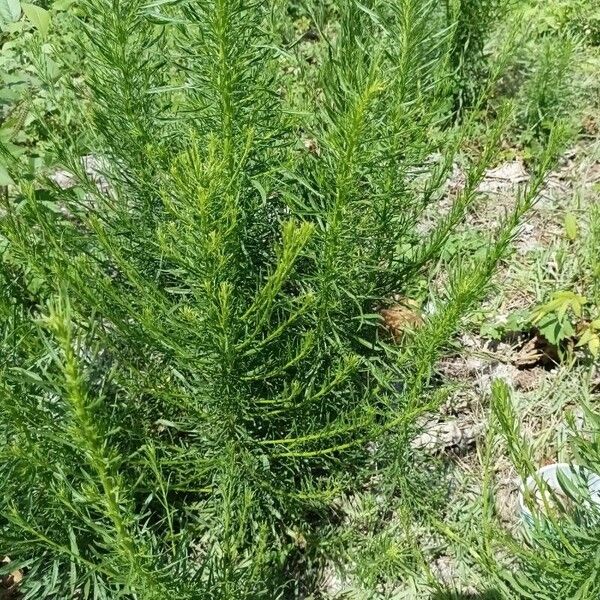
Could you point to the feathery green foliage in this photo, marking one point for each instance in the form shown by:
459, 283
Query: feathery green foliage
472, 23
193, 360
548, 94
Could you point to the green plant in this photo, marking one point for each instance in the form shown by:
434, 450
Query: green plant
580, 17
557, 557
194, 340
567, 321
473, 23
29, 103
562, 318
592, 251
514, 323
547, 93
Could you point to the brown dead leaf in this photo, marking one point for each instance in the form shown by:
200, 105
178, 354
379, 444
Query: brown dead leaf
10, 583
590, 125
400, 318
536, 352
529, 354
312, 146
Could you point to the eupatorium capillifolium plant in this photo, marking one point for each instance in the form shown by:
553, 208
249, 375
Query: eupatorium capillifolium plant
193, 358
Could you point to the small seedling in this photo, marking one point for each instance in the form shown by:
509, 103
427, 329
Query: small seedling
571, 227
565, 317
554, 319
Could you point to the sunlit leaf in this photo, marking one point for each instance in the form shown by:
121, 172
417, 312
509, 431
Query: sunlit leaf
38, 16
10, 11
5, 178
571, 227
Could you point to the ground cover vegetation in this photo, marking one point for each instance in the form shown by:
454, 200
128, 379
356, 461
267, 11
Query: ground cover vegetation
236, 243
